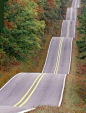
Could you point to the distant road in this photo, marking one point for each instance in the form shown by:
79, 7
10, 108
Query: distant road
59, 56
71, 14
68, 29
76, 4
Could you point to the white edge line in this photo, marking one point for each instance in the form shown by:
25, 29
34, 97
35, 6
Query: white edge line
70, 56
62, 91
47, 54
9, 81
27, 110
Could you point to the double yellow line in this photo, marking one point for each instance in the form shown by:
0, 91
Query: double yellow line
28, 94
60, 44
58, 56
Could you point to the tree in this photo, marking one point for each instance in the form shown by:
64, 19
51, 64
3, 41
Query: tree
2, 13
22, 34
82, 30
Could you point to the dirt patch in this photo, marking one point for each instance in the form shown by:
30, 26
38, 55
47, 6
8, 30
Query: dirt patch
81, 68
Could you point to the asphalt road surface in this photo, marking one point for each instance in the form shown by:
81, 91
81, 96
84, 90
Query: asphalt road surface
26, 91
71, 14
46, 89
75, 4
68, 29
59, 56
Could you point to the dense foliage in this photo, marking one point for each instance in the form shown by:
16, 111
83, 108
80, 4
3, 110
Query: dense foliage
82, 30
25, 24
21, 36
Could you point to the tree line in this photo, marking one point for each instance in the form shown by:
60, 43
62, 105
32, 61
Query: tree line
81, 44
25, 22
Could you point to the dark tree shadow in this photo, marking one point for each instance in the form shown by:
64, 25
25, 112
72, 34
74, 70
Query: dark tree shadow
2, 13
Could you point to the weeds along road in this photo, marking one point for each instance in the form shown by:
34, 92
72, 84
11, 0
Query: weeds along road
26, 91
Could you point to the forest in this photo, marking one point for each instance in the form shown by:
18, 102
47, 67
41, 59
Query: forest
82, 30
25, 23
81, 56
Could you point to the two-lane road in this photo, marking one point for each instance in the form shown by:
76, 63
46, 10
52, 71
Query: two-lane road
71, 14
28, 90
59, 56
76, 4
68, 25
68, 28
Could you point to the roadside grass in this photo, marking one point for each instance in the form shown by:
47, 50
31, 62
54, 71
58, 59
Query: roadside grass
5, 76
75, 82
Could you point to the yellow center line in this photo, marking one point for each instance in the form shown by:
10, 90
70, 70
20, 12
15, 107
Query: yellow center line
27, 91
58, 56
32, 90
71, 14
67, 35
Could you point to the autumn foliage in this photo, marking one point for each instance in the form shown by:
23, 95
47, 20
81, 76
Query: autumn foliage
26, 21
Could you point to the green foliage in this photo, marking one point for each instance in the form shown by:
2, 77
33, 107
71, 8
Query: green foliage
21, 36
85, 100
83, 1
81, 44
50, 14
25, 22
